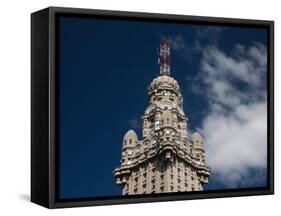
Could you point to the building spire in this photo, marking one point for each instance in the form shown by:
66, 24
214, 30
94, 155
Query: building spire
164, 142
164, 56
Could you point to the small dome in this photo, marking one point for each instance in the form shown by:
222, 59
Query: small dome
131, 133
162, 80
130, 138
196, 136
197, 140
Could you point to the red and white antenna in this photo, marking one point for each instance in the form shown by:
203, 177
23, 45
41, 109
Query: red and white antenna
164, 56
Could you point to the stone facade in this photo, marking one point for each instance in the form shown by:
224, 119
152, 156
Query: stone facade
166, 159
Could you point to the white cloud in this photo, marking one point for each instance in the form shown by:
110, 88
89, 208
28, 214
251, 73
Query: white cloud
135, 123
235, 129
207, 35
207, 31
178, 43
247, 67
203, 35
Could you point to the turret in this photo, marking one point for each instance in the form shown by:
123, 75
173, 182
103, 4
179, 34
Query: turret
197, 142
129, 142
130, 138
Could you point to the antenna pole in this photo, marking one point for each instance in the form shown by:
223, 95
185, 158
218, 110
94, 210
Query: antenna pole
164, 56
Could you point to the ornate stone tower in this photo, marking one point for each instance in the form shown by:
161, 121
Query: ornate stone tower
166, 159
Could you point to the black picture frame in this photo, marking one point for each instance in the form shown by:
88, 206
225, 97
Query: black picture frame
44, 98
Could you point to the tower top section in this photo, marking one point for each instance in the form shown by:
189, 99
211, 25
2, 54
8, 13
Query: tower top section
164, 56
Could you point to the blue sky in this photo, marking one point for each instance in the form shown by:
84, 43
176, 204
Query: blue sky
105, 69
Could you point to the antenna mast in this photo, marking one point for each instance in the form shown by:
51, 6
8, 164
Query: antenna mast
164, 56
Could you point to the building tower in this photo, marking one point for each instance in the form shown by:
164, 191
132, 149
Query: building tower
167, 159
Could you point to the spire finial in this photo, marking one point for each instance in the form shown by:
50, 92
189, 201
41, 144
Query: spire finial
164, 56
